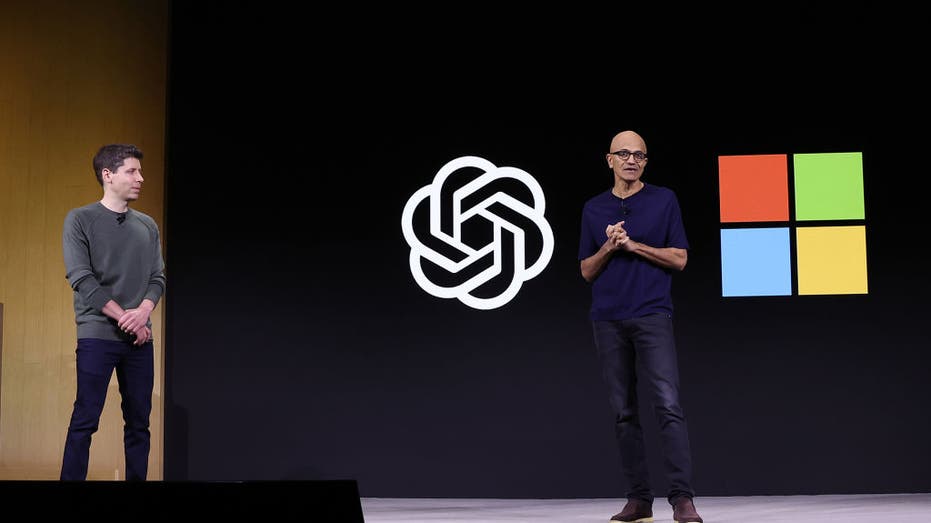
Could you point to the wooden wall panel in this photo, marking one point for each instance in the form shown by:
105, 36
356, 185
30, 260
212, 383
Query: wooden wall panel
73, 76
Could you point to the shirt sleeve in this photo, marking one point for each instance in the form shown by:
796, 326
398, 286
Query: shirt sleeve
675, 233
587, 242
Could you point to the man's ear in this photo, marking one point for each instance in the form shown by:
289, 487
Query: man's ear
105, 174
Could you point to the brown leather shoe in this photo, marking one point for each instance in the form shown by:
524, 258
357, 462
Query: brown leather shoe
635, 511
683, 511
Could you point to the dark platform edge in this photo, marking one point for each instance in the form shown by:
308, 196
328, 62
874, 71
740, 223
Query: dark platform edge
331, 500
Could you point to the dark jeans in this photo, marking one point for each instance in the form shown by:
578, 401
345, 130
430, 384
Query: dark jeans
644, 349
135, 372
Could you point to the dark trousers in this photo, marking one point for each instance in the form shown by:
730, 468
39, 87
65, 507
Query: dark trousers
644, 349
96, 360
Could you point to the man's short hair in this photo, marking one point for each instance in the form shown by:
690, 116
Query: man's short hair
112, 157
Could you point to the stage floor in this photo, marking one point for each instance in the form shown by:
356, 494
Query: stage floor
887, 508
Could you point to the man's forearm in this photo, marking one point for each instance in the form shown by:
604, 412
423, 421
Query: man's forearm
591, 267
666, 257
113, 310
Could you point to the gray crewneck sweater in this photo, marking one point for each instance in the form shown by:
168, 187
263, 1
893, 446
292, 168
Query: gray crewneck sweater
110, 256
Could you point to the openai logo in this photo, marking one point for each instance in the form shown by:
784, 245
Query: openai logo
480, 229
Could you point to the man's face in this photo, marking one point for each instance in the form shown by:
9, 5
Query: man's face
126, 182
629, 169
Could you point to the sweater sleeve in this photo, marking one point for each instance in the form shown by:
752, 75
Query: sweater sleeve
157, 278
78, 268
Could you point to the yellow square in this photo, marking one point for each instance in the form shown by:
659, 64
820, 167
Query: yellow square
831, 260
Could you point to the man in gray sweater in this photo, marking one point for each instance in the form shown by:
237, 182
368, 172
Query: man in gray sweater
113, 261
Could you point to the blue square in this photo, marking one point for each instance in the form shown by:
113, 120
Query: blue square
756, 262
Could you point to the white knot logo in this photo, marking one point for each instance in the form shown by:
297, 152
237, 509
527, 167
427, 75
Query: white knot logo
440, 210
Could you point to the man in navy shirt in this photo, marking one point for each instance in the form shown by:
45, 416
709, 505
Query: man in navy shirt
632, 240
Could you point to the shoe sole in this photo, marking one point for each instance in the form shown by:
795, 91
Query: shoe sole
641, 520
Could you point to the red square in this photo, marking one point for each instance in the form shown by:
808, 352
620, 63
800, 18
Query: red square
754, 188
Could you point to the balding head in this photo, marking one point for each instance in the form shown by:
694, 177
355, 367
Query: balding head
628, 140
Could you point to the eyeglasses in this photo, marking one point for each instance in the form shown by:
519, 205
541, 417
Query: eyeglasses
624, 154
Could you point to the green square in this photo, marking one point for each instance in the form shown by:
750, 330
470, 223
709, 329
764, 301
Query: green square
829, 186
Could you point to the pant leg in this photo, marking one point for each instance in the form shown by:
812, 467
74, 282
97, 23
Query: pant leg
135, 373
96, 360
618, 363
659, 371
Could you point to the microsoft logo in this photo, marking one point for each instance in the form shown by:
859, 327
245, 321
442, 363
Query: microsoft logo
764, 250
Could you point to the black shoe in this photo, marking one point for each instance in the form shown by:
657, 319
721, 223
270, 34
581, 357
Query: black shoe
635, 511
683, 511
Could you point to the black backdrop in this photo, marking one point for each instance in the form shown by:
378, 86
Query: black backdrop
299, 346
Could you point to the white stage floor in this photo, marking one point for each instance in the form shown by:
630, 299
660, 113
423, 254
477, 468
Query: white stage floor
874, 508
